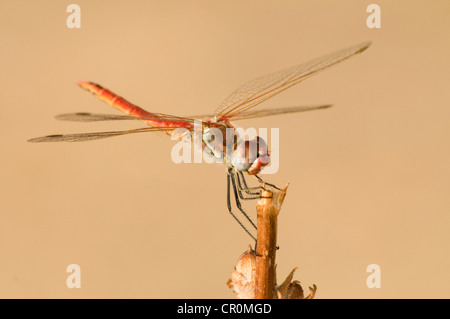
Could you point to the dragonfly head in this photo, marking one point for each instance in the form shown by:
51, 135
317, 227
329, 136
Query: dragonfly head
251, 156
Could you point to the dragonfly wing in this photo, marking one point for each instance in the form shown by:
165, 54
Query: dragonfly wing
260, 89
82, 137
269, 112
92, 117
278, 111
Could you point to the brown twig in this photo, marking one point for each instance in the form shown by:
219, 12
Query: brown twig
254, 276
266, 242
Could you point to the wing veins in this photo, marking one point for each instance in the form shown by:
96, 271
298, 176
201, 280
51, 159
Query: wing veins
82, 137
262, 88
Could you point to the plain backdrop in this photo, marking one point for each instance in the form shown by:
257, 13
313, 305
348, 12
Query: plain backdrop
370, 177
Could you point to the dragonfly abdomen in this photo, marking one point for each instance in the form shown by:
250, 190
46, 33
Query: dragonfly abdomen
129, 108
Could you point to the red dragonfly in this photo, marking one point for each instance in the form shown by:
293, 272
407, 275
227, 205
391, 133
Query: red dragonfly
247, 156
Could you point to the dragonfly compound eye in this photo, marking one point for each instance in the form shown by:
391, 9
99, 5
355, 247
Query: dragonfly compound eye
263, 157
251, 156
246, 153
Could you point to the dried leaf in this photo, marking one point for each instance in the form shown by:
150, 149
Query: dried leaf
242, 280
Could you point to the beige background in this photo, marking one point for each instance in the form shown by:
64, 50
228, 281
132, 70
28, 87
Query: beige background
369, 178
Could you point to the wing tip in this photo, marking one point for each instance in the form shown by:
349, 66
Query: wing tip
47, 138
364, 46
34, 140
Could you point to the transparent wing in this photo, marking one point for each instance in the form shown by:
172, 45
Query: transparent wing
278, 111
92, 117
82, 137
260, 89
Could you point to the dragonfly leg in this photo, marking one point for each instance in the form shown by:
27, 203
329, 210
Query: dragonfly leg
263, 182
244, 190
231, 212
236, 197
249, 190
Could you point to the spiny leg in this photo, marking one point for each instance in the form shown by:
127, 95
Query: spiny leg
231, 212
263, 182
238, 203
249, 190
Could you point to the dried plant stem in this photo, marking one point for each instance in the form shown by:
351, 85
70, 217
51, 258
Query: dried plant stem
266, 242
254, 275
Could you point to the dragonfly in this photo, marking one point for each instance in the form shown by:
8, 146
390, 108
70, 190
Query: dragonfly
248, 156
